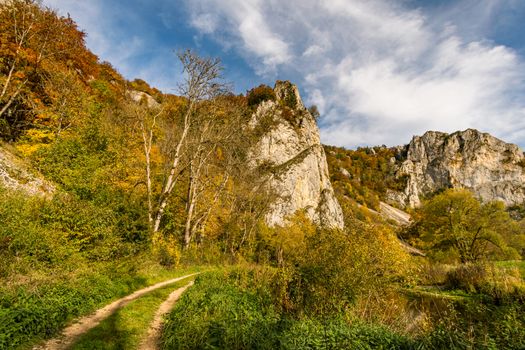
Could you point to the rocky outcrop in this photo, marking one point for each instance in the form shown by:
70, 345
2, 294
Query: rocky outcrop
491, 168
139, 96
288, 145
15, 175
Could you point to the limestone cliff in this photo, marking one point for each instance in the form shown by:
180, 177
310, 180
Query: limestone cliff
491, 168
288, 145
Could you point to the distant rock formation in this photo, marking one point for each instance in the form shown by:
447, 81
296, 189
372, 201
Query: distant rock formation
289, 146
491, 168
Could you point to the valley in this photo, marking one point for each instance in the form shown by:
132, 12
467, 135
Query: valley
131, 218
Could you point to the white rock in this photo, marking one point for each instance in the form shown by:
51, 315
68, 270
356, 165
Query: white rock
491, 168
292, 148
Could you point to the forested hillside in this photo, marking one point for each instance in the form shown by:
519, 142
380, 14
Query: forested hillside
110, 185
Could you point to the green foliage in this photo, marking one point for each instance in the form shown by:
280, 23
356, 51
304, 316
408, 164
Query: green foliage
218, 314
26, 313
502, 285
259, 94
454, 222
340, 334
240, 310
477, 325
47, 234
339, 267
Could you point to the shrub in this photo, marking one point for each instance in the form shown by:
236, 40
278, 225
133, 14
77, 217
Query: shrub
259, 94
501, 285
468, 277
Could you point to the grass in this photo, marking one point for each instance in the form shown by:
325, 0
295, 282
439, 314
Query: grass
239, 309
126, 328
29, 314
511, 264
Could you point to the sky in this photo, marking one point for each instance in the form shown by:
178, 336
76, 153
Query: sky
380, 71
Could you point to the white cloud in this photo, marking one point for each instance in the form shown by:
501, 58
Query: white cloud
205, 23
379, 71
245, 21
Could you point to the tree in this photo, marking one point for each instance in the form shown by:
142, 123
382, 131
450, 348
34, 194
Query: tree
201, 83
145, 121
35, 44
259, 94
456, 222
314, 111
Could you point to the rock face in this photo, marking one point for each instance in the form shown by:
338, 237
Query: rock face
289, 146
14, 175
138, 96
491, 168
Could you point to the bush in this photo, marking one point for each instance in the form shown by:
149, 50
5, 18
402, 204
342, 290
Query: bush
259, 94
468, 277
502, 286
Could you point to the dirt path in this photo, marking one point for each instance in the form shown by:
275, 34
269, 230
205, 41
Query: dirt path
71, 333
152, 338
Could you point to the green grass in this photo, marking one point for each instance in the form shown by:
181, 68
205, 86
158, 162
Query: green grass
29, 314
126, 328
509, 264
239, 309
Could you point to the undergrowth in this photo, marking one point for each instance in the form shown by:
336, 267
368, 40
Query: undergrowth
246, 309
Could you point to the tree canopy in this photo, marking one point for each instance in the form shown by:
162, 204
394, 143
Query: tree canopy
456, 224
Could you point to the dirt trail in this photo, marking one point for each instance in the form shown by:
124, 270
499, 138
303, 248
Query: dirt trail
71, 333
152, 339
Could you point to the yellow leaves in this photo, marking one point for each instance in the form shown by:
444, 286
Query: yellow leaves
20, 75
166, 249
220, 153
29, 149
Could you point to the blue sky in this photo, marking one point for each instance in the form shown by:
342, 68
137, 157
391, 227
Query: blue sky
380, 71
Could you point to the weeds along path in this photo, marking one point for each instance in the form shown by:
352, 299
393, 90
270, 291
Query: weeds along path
152, 338
71, 333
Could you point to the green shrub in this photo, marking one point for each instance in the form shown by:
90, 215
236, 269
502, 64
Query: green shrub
246, 309
501, 285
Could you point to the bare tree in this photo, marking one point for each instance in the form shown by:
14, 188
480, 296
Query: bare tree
145, 120
210, 162
202, 82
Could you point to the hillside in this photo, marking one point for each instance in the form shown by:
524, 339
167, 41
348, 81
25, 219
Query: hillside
115, 197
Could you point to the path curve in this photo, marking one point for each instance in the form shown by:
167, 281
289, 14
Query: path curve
152, 338
71, 333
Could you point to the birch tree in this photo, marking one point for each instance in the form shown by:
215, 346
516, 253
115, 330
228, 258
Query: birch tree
202, 81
